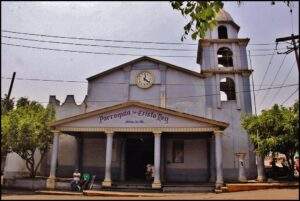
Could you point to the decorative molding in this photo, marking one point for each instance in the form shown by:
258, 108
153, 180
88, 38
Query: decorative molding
218, 132
240, 41
137, 129
216, 123
224, 70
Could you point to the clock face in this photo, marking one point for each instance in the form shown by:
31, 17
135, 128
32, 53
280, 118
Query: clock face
144, 79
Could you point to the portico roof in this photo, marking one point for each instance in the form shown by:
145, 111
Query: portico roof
137, 116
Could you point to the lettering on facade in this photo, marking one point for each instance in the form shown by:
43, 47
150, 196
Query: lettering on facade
135, 113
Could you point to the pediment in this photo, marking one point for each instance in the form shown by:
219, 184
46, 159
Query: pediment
137, 114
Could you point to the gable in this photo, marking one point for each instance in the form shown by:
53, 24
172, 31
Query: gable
149, 62
136, 114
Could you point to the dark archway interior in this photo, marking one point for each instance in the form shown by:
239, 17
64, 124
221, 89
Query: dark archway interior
139, 153
228, 87
225, 57
222, 32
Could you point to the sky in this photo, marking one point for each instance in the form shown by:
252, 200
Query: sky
133, 21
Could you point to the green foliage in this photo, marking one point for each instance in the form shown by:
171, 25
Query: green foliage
25, 130
275, 131
6, 104
202, 16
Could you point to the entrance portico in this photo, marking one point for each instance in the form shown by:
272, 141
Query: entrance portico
135, 117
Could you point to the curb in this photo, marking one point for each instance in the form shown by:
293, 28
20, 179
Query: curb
120, 194
258, 186
49, 192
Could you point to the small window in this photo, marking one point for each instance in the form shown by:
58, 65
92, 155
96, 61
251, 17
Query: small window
227, 89
222, 32
178, 151
224, 57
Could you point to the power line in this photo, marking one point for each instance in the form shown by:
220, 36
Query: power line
95, 45
264, 76
290, 96
101, 82
285, 79
90, 52
196, 96
104, 53
110, 40
114, 46
96, 39
267, 92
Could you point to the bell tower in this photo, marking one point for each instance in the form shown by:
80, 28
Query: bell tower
223, 59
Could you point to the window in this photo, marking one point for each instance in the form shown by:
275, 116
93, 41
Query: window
224, 57
227, 89
178, 151
222, 32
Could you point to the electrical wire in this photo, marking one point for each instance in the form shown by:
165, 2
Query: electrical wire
283, 82
95, 45
264, 76
110, 40
195, 96
290, 96
91, 52
105, 53
108, 83
267, 92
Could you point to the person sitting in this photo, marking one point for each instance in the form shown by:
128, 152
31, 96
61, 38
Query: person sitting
76, 180
149, 172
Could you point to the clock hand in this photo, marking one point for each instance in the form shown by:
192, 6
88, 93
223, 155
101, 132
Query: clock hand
146, 79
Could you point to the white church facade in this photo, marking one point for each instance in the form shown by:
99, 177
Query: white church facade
147, 111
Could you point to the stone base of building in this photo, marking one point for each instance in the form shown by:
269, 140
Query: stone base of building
219, 185
50, 183
156, 185
106, 183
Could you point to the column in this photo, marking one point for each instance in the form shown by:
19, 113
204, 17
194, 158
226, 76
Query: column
212, 159
219, 162
242, 174
156, 183
79, 141
122, 165
51, 179
108, 157
261, 177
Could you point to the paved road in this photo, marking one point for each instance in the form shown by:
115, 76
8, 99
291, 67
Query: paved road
269, 194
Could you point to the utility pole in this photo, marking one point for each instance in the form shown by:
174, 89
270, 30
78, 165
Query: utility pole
11, 85
290, 49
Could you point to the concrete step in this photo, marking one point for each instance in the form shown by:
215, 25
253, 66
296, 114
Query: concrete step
120, 194
234, 187
200, 188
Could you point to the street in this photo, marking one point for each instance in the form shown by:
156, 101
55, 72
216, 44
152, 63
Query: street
269, 194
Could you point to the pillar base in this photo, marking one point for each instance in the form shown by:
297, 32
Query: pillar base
50, 183
156, 184
219, 185
106, 183
243, 180
260, 179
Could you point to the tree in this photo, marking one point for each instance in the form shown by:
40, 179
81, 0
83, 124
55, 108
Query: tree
275, 131
202, 15
25, 130
6, 106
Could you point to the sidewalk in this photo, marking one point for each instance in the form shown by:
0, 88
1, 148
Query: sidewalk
234, 187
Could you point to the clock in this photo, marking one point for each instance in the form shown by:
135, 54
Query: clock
144, 79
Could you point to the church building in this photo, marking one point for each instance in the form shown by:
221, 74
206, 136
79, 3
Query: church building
147, 111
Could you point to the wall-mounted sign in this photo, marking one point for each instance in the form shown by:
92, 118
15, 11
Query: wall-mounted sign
136, 116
